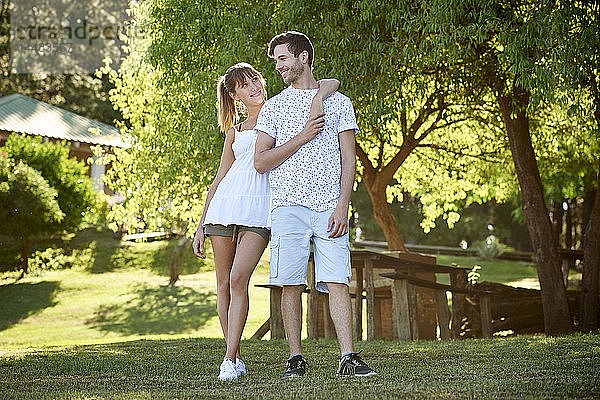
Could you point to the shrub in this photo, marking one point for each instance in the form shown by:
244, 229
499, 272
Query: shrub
42, 191
29, 204
490, 248
76, 196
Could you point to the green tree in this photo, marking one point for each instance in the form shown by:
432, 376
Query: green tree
507, 42
29, 204
574, 58
65, 176
442, 90
78, 91
166, 91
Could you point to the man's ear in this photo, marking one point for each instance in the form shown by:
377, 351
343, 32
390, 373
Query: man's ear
303, 57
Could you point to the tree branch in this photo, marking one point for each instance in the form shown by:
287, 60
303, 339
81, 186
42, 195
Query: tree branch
460, 153
364, 159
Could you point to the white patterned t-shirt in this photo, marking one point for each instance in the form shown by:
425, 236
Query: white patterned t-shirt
311, 176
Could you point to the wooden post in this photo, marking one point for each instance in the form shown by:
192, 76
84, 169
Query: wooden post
313, 303
443, 313
328, 327
276, 319
413, 307
262, 330
400, 310
370, 300
458, 279
358, 304
486, 315
565, 266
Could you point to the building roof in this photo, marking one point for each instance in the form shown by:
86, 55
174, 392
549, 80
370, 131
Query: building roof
23, 114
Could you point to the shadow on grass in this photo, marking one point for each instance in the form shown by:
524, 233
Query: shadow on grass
107, 254
156, 257
159, 310
21, 300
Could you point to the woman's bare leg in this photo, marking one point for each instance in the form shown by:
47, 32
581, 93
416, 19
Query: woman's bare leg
224, 252
249, 249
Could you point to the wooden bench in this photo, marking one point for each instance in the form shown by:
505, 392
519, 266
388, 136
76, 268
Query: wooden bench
402, 307
380, 308
275, 321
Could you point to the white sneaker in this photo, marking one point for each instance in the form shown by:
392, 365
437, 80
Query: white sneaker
240, 367
227, 370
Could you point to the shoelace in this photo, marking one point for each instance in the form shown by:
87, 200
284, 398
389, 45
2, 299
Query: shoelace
299, 362
356, 360
348, 367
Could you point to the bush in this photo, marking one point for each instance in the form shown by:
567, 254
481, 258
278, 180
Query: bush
42, 191
490, 248
29, 204
76, 196
50, 259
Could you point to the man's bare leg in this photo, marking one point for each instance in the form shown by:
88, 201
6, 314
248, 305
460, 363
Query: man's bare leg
341, 314
291, 309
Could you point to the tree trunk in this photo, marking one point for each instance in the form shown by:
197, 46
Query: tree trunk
591, 267
25, 255
557, 220
557, 318
383, 215
588, 204
569, 225
175, 264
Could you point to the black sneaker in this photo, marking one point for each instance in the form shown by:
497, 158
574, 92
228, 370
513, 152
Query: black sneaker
352, 365
295, 367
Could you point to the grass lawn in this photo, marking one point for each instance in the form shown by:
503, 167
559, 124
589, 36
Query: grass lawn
524, 367
118, 291
110, 327
515, 273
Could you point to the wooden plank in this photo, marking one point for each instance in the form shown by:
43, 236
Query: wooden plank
262, 330
328, 327
413, 308
400, 310
486, 315
358, 304
402, 261
276, 319
565, 266
403, 265
434, 285
458, 278
443, 313
370, 299
313, 303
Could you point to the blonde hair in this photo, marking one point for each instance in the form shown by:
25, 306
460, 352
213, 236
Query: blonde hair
228, 108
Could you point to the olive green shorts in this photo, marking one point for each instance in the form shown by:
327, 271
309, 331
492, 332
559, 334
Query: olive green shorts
235, 231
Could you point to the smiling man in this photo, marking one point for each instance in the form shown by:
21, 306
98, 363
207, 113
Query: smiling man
313, 165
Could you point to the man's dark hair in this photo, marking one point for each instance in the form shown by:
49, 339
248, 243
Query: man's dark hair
297, 43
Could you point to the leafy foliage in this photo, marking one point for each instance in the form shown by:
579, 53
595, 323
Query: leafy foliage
77, 91
43, 192
29, 204
490, 248
418, 74
67, 176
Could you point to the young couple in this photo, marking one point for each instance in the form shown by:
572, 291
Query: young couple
290, 166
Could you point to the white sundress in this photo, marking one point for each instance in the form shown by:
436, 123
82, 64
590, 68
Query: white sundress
243, 195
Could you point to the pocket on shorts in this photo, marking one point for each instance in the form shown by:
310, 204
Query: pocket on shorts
349, 262
274, 264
